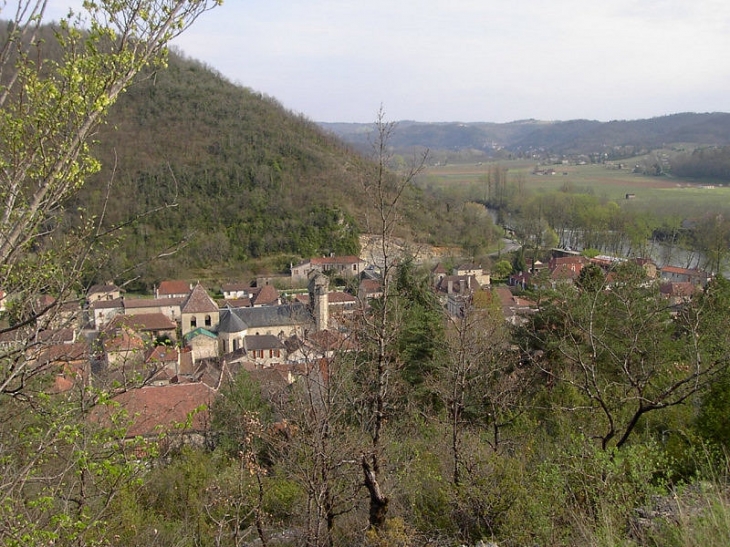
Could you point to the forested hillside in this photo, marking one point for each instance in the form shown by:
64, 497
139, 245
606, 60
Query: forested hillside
618, 138
247, 178
253, 185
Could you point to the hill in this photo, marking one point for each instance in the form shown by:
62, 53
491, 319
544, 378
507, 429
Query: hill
243, 185
623, 138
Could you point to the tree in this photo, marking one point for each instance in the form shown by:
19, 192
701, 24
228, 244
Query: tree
378, 328
712, 236
57, 85
323, 452
421, 334
625, 352
502, 269
470, 380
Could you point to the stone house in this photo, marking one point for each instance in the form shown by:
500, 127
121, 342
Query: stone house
264, 349
235, 290
107, 291
566, 269
203, 344
123, 348
152, 326
170, 307
686, 275
474, 270
173, 289
342, 266
102, 312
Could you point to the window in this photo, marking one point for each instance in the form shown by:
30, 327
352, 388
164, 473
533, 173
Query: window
208, 321
193, 322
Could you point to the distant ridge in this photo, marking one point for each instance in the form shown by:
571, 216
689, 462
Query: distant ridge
562, 137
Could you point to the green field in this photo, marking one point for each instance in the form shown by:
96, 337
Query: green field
655, 193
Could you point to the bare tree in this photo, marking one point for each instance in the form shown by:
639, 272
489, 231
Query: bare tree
476, 378
378, 325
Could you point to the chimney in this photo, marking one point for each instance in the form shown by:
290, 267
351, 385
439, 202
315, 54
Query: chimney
450, 286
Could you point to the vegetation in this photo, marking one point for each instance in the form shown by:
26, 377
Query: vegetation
243, 186
62, 471
599, 420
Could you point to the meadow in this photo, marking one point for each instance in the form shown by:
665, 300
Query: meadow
658, 194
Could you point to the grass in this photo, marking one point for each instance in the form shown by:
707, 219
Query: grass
663, 193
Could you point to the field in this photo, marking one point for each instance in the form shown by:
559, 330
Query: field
663, 193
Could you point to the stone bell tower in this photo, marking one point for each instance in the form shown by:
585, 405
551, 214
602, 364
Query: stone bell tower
318, 300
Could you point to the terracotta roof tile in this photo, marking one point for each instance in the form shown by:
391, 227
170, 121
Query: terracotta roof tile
265, 296
143, 322
173, 287
198, 301
156, 409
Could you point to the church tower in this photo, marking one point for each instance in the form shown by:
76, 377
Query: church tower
318, 301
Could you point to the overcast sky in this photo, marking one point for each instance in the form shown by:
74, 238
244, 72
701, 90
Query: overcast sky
471, 60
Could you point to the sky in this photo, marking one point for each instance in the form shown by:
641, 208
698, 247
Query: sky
470, 60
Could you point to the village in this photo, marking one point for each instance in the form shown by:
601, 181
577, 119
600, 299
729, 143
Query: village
168, 355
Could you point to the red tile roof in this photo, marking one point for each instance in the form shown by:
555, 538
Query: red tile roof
198, 301
156, 409
340, 297
162, 354
122, 340
265, 296
143, 322
173, 287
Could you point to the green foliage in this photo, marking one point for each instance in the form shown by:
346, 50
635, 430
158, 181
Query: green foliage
65, 469
623, 351
421, 336
712, 423
518, 263
282, 498
502, 269
591, 278
616, 480
704, 163
395, 533
482, 503
239, 402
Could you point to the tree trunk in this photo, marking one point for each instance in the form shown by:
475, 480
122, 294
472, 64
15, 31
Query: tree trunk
378, 502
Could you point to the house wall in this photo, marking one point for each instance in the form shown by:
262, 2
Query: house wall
203, 347
102, 316
124, 358
106, 295
171, 311
230, 341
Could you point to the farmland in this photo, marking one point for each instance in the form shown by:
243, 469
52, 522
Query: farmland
652, 193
